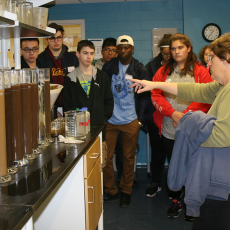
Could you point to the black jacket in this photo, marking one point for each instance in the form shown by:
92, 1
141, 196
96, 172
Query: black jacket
152, 68
154, 65
69, 59
138, 71
99, 102
24, 64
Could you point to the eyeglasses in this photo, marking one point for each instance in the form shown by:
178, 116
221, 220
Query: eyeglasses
109, 50
27, 50
210, 57
166, 55
59, 38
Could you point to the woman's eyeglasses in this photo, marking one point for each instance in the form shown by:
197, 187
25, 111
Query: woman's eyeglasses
210, 57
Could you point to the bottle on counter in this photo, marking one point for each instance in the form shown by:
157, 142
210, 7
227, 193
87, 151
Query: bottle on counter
87, 119
84, 109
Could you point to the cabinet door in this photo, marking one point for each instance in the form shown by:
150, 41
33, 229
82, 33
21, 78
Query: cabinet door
91, 157
93, 197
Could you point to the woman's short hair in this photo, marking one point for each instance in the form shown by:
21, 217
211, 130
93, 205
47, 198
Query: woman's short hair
221, 47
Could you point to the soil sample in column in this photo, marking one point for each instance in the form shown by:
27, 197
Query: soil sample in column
10, 157
34, 113
26, 118
47, 109
16, 122
3, 157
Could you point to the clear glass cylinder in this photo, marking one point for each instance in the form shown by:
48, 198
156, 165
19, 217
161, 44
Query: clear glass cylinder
29, 13
40, 16
41, 107
25, 84
8, 111
10, 6
22, 8
18, 10
56, 128
7, 82
4, 177
34, 108
2, 7
47, 104
3, 156
16, 116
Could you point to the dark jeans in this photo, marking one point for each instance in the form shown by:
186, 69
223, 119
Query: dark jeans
214, 215
161, 148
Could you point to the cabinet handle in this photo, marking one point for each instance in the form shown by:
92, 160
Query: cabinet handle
96, 155
93, 194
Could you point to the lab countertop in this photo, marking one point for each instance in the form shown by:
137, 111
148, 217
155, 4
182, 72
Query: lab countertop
28, 189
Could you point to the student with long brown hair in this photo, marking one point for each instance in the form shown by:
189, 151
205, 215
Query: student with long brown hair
181, 67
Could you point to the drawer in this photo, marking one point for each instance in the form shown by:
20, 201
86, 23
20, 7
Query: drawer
91, 157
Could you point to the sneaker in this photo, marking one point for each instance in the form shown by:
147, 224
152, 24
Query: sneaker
175, 208
152, 190
188, 218
125, 200
110, 198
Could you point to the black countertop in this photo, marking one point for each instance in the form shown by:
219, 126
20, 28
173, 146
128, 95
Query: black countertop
28, 189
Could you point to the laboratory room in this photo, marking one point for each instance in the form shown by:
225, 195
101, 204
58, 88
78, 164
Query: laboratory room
110, 110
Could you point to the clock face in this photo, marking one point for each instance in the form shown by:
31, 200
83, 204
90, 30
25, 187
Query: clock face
211, 32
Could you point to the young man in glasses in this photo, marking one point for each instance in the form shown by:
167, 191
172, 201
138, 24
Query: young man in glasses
109, 51
58, 59
29, 53
128, 115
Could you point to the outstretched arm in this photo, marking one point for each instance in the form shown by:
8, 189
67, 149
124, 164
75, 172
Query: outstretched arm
143, 85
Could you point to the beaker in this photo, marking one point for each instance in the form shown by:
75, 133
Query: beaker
40, 16
73, 129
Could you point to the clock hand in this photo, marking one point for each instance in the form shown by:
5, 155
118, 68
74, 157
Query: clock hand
210, 34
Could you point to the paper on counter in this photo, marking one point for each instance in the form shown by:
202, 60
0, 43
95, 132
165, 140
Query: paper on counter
69, 141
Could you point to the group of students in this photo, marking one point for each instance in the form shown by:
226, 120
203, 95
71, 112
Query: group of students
106, 89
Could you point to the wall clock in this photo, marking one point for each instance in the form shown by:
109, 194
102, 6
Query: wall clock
211, 32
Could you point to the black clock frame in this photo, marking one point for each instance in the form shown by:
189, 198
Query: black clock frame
210, 24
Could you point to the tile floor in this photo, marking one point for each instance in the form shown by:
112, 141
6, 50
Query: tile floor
144, 213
